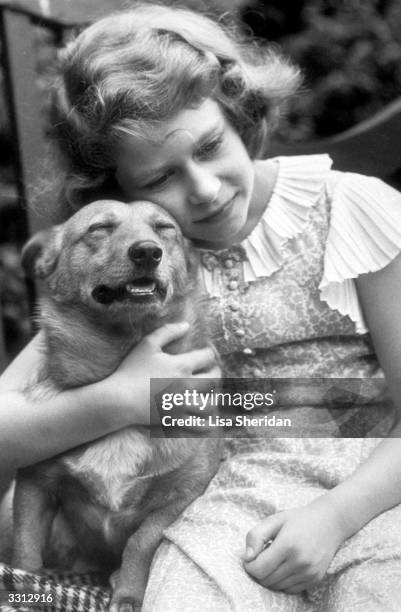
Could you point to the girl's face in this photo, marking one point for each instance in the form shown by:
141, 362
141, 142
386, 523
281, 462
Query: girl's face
197, 168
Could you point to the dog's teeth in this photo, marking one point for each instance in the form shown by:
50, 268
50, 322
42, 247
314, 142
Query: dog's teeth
137, 290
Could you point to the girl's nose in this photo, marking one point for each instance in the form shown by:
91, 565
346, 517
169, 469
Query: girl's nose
204, 187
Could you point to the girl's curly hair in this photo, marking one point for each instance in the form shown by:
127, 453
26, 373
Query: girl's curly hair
132, 70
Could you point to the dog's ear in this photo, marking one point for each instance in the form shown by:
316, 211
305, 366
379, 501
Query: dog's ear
40, 254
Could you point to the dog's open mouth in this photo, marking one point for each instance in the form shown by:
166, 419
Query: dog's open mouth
139, 289
141, 286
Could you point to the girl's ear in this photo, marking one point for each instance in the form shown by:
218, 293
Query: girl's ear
40, 255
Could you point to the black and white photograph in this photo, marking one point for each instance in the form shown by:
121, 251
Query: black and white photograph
200, 290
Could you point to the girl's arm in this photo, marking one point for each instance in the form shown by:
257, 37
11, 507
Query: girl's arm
304, 540
33, 430
376, 485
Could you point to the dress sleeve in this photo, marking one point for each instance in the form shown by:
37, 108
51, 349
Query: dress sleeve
364, 236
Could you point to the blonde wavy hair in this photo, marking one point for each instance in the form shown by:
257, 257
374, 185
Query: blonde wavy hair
132, 70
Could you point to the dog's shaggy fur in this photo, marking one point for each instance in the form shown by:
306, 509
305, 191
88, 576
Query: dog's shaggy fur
112, 273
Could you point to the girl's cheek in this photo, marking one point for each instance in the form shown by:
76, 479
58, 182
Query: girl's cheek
166, 201
171, 199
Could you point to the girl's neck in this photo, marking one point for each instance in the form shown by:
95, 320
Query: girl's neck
266, 172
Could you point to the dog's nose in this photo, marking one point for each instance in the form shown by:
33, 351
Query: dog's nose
145, 253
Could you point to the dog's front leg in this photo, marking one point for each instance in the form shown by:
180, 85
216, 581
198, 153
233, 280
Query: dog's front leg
129, 582
33, 516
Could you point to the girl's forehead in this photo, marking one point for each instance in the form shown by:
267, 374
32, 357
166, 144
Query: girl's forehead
185, 129
191, 120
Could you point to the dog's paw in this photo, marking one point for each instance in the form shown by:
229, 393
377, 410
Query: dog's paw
124, 603
125, 598
114, 579
125, 607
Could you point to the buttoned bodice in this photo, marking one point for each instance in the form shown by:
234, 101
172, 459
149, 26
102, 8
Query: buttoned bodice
272, 309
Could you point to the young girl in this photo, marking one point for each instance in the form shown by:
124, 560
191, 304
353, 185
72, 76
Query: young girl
301, 267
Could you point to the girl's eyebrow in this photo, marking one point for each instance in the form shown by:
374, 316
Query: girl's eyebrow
215, 129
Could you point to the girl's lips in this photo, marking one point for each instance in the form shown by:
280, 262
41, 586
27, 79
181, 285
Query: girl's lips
215, 216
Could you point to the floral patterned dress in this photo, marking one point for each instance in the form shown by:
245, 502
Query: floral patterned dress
284, 304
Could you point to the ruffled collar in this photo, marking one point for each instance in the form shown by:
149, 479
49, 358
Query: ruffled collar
299, 184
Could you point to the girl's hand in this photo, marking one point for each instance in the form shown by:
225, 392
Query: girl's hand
304, 541
128, 388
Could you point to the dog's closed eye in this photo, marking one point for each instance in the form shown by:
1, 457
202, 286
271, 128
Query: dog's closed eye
98, 227
160, 226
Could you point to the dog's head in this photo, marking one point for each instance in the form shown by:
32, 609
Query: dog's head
112, 258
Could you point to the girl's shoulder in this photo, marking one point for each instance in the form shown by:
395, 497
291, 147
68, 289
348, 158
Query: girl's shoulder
364, 236
306, 180
362, 215
363, 224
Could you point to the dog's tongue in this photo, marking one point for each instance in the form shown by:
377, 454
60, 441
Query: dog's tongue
141, 288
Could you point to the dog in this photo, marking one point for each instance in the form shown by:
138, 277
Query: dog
112, 273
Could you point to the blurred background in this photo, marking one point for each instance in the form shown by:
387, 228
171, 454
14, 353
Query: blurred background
350, 54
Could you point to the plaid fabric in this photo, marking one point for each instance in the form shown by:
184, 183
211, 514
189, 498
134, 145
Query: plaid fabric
64, 592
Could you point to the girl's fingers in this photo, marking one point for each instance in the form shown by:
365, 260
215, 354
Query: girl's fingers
261, 536
199, 359
298, 588
288, 581
167, 333
214, 372
283, 572
266, 563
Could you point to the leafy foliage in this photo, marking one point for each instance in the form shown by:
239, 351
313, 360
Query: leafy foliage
350, 53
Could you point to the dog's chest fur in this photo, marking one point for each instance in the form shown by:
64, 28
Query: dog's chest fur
117, 470
112, 467
114, 473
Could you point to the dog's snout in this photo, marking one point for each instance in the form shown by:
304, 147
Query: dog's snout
145, 253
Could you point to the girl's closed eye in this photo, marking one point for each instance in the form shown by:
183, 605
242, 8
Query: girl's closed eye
159, 181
